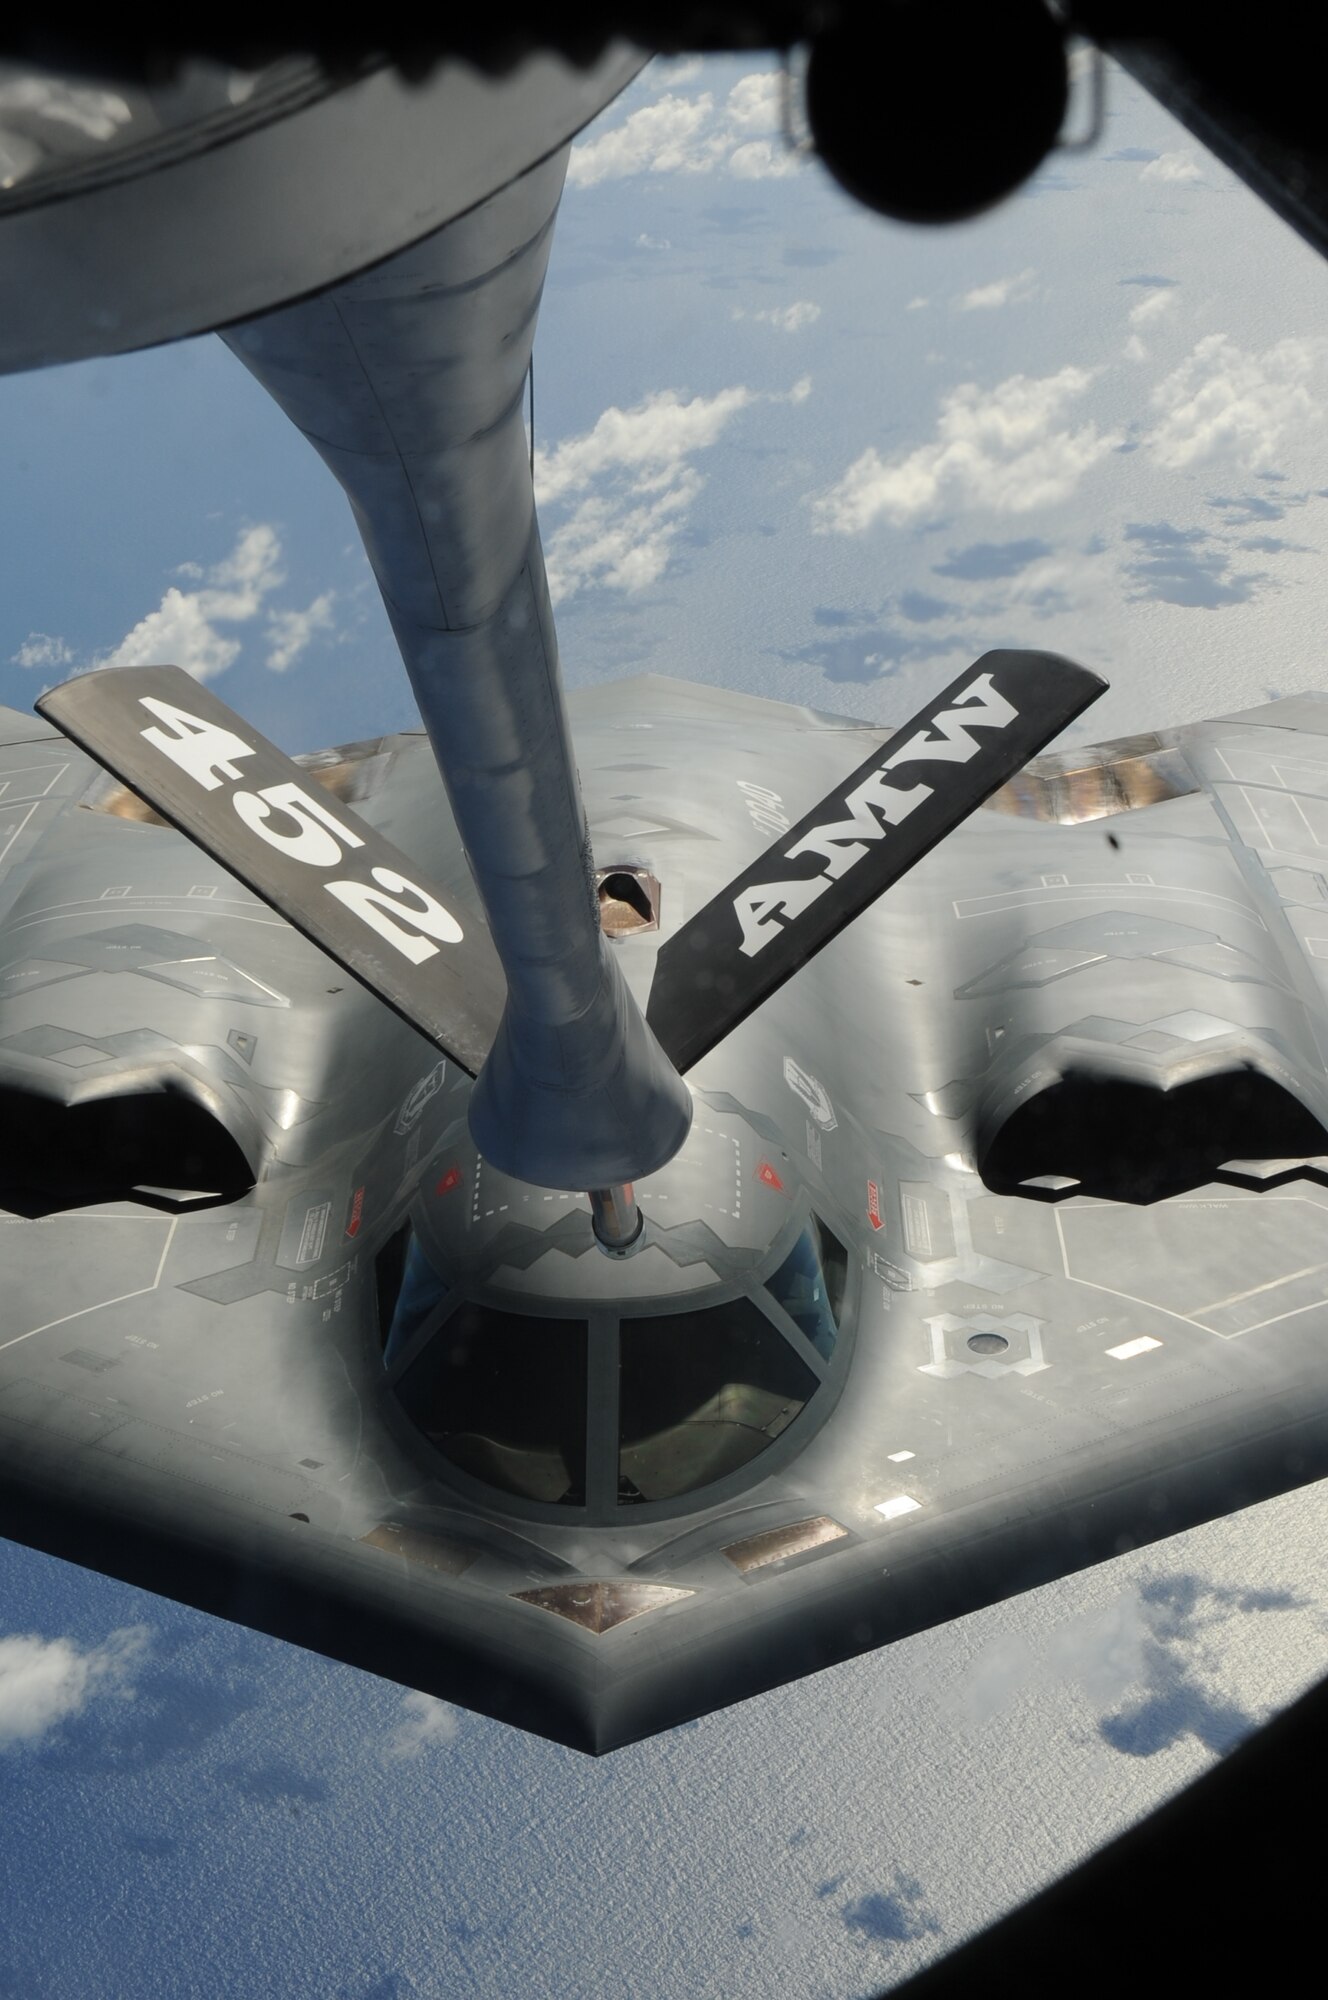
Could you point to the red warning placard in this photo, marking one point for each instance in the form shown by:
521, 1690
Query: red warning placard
874, 1216
450, 1180
766, 1173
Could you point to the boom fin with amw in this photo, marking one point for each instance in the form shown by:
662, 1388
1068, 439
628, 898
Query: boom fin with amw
917, 787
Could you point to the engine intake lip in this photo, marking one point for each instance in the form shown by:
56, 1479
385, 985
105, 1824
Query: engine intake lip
1118, 1132
158, 1145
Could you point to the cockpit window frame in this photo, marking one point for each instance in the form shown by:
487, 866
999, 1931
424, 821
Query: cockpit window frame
603, 1323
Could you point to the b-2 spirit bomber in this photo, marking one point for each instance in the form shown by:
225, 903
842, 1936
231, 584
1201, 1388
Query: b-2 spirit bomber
598, 1246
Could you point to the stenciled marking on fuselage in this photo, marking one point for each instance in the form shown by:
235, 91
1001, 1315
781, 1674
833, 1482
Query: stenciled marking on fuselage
208, 753
766, 908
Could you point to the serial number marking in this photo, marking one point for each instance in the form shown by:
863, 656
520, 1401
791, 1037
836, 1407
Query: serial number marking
765, 808
302, 827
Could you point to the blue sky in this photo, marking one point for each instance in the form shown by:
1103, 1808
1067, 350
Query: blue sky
787, 447
773, 429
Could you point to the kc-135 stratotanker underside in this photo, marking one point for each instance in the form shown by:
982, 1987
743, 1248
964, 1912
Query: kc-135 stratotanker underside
997, 1245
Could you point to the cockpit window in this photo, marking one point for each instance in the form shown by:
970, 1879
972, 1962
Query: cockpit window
809, 1284
503, 1397
504, 1394
701, 1394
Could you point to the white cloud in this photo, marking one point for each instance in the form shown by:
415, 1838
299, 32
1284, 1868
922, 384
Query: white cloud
629, 484
426, 1721
1152, 308
763, 160
691, 135
661, 138
789, 319
1153, 305
44, 1682
42, 649
1172, 167
917, 305
620, 534
754, 103
647, 440
185, 629
1001, 450
1222, 399
1001, 292
644, 242
671, 75
289, 632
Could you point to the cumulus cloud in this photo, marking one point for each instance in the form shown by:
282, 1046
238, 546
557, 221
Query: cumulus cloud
425, 1722
44, 1682
762, 160
42, 649
1000, 292
289, 632
1224, 400
639, 464
789, 319
1172, 167
754, 101
1152, 306
199, 629
672, 74
646, 440
693, 135
1004, 449
186, 628
667, 137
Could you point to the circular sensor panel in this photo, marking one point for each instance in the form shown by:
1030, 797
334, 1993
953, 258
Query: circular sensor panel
987, 1343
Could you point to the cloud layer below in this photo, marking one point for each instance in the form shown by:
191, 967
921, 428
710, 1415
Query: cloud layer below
693, 135
629, 483
46, 1682
200, 628
1223, 399
1005, 450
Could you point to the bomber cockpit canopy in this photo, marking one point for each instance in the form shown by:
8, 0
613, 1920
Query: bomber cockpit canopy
617, 1406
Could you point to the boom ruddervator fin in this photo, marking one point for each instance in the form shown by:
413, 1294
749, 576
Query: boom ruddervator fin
364, 903
858, 840
313, 860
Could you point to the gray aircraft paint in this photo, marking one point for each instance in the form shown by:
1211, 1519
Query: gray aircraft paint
281, 172
223, 1423
196, 1398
